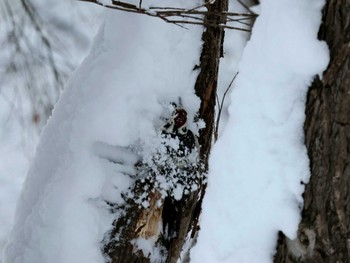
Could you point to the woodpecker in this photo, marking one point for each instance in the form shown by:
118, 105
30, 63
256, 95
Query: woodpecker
168, 178
176, 128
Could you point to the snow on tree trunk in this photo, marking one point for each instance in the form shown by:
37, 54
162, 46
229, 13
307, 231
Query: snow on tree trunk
323, 234
259, 165
137, 67
122, 246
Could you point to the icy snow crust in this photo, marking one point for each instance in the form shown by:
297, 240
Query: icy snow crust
260, 162
136, 66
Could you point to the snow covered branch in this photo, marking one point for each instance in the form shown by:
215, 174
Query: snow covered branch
181, 16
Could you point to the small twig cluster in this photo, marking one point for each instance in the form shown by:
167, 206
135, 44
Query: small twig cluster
182, 16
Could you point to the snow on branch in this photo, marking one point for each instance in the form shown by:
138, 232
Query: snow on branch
181, 16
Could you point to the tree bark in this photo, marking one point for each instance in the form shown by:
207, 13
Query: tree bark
120, 249
324, 232
206, 84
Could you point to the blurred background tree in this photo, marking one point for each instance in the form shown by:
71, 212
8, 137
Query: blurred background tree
42, 42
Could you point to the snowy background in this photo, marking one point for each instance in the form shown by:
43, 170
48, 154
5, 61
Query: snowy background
116, 96
27, 84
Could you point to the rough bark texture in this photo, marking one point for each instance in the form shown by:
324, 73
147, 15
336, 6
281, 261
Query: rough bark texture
122, 251
206, 85
119, 248
324, 233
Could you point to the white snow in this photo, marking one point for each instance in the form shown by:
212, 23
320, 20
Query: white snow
259, 163
136, 66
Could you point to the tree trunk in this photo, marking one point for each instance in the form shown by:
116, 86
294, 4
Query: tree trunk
324, 232
119, 249
207, 79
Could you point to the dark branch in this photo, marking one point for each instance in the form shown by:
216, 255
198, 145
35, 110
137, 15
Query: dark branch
191, 16
220, 105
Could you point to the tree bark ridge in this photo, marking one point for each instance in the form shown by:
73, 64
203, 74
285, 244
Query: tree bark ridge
326, 212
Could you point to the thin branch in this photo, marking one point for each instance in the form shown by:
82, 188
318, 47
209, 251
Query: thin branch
220, 106
34, 18
207, 24
200, 6
191, 16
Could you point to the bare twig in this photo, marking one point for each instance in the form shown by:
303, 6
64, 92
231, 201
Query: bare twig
220, 106
192, 16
